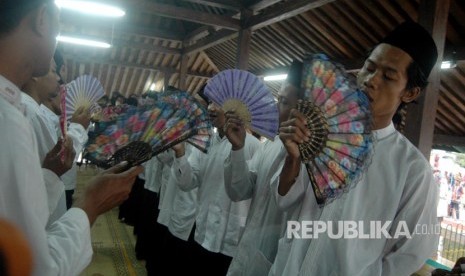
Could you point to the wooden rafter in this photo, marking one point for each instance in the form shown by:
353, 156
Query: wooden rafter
210, 41
209, 61
222, 4
191, 15
257, 5
449, 140
146, 46
120, 64
282, 12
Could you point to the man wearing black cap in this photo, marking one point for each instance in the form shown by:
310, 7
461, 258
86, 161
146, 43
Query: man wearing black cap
254, 180
28, 30
397, 196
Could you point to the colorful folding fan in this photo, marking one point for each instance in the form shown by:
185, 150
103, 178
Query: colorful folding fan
135, 134
243, 92
339, 118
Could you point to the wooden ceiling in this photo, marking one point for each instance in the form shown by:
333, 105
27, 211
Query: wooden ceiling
155, 38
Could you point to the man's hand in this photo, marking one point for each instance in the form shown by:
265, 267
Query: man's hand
294, 132
107, 190
234, 130
179, 150
53, 160
81, 116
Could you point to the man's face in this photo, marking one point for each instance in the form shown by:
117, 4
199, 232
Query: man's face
48, 86
287, 100
46, 42
216, 115
54, 104
384, 79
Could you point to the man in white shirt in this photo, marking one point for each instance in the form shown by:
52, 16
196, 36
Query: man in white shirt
28, 30
257, 180
50, 110
220, 222
397, 189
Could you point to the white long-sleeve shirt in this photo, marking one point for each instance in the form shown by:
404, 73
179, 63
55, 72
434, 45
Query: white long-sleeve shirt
65, 247
177, 208
45, 142
255, 180
397, 187
220, 222
75, 131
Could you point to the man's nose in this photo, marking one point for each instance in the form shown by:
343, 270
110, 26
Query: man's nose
371, 80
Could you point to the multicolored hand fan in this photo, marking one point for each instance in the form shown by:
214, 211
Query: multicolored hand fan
135, 134
339, 118
84, 91
243, 92
202, 139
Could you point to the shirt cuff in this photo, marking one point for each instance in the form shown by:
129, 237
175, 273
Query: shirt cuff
237, 155
296, 191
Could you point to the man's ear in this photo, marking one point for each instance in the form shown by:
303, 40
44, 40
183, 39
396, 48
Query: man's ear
410, 94
40, 21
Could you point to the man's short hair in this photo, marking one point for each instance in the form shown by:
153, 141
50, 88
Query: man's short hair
416, 41
294, 77
13, 11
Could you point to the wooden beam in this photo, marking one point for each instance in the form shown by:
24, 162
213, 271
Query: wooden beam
243, 43
210, 41
121, 27
222, 4
419, 126
191, 15
284, 11
197, 34
166, 80
257, 5
449, 140
164, 69
146, 46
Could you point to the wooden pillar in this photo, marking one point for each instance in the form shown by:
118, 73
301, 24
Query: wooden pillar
419, 126
183, 72
243, 42
166, 79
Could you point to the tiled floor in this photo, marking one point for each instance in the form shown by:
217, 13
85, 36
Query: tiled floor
113, 242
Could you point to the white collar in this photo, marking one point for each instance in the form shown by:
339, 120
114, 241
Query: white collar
384, 132
10, 92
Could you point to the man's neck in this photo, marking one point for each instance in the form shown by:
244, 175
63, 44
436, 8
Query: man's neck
380, 123
15, 64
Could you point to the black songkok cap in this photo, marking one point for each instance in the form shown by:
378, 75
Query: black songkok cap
415, 41
294, 75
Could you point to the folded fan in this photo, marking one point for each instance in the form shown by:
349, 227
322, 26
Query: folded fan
84, 92
135, 134
339, 117
243, 92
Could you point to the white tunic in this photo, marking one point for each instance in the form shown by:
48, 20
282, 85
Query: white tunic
65, 247
45, 141
220, 222
397, 187
153, 170
255, 180
177, 208
75, 131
